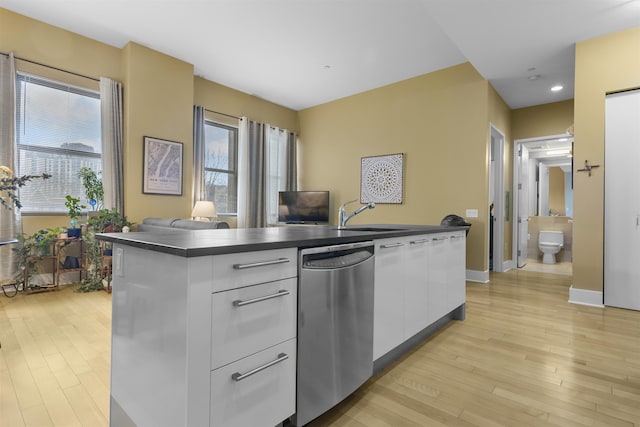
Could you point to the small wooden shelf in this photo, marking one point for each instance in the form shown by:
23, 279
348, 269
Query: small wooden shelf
57, 268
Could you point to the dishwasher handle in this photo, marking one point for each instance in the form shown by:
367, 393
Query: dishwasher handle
335, 257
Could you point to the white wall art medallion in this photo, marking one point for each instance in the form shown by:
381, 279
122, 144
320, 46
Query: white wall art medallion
382, 179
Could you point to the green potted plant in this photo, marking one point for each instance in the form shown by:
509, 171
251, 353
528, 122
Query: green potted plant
10, 184
75, 211
108, 221
33, 247
104, 221
94, 274
93, 188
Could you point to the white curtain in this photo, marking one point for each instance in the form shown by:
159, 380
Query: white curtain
10, 224
111, 110
281, 167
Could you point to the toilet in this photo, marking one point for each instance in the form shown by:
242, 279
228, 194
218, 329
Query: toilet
550, 243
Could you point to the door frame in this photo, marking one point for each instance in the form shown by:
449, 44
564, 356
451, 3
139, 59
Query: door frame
497, 182
516, 172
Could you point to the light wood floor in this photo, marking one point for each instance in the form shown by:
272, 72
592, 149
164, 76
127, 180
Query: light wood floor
523, 356
54, 360
561, 267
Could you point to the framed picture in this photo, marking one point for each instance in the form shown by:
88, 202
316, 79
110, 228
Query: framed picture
382, 179
162, 168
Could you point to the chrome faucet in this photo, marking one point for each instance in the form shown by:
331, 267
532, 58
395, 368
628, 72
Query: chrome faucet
342, 213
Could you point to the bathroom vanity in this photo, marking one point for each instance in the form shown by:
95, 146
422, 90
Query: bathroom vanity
205, 323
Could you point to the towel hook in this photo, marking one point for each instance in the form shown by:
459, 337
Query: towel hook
588, 167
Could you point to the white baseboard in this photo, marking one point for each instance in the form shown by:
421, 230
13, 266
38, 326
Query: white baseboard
508, 265
585, 297
478, 276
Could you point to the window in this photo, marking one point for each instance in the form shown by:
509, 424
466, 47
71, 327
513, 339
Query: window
220, 166
57, 132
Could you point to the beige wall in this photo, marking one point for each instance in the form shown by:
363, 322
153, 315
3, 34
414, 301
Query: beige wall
219, 98
440, 121
160, 92
542, 120
158, 101
605, 64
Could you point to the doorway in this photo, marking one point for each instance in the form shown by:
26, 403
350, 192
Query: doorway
543, 200
497, 209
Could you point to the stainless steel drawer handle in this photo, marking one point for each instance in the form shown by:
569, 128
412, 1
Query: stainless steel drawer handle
456, 237
240, 303
261, 264
239, 377
391, 245
419, 242
440, 238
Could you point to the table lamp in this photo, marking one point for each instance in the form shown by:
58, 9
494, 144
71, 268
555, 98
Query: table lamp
203, 211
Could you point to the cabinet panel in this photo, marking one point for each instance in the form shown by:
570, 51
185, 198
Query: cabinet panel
250, 319
232, 271
456, 268
265, 398
437, 266
388, 320
416, 293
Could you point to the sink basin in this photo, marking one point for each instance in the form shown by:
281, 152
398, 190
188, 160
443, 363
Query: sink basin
368, 229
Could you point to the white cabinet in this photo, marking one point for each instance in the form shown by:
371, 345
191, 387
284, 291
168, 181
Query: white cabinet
256, 390
416, 270
418, 280
456, 269
447, 264
437, 305
183, 327
388, 319
249, 319
253, 338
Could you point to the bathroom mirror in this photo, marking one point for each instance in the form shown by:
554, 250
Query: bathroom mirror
550, 177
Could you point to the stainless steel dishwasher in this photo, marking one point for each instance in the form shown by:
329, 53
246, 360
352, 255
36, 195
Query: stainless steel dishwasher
335, 326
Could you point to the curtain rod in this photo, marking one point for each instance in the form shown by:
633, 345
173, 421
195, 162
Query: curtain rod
49, 66
223, 114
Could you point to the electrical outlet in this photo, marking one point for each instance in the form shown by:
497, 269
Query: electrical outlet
472, 213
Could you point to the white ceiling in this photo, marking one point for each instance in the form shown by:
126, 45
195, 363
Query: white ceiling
301, 53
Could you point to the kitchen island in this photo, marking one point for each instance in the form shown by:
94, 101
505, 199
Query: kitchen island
204, 322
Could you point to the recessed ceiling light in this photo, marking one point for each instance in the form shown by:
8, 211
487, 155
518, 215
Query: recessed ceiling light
557, 88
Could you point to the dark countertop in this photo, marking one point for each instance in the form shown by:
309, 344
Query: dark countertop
192, 243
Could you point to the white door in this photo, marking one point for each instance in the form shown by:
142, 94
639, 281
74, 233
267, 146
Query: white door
622, 200
499, 208
523, 205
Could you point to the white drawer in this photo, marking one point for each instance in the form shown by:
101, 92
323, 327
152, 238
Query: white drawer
265, 398
250, 319
249, 268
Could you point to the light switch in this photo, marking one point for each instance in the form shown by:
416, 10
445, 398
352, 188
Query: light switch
472, 213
